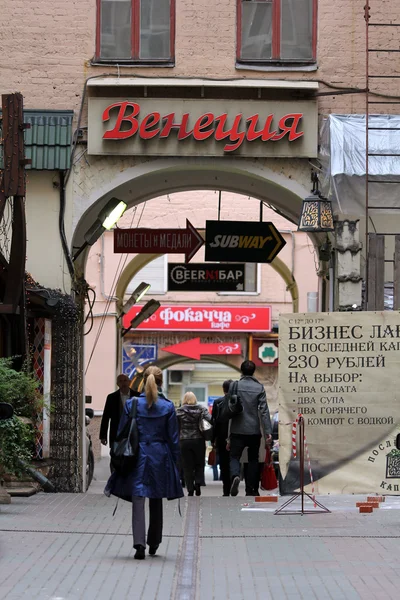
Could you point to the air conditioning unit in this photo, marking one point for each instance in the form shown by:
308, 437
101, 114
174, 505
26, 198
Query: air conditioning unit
175, 377
178, 377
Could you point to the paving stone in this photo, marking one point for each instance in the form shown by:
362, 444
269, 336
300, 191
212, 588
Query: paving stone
70, 547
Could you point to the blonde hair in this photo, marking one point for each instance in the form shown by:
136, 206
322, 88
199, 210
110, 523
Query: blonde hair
189, 398
152, 380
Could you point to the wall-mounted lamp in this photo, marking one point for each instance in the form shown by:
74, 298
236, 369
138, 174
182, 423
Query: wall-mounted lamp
148, 309
316, 212
137, 295
106, 219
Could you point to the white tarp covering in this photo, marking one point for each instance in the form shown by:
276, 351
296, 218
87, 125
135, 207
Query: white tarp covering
343, 156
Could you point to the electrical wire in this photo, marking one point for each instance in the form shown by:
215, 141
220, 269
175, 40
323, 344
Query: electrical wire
117, 274
90, 311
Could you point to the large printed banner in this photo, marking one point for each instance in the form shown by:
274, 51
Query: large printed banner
341, 371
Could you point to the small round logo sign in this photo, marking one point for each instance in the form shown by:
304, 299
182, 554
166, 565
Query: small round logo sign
268, 352
178, 274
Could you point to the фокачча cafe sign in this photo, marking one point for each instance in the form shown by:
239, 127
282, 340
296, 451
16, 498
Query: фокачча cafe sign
202, 127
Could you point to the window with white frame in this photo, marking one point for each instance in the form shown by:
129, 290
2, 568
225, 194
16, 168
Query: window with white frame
135, 31
276, 31
154, 273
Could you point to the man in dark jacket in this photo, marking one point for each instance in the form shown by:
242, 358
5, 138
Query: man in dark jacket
245, 431
220, 435
113, 409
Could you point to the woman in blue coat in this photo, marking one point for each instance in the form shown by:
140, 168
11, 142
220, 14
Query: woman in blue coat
155, 475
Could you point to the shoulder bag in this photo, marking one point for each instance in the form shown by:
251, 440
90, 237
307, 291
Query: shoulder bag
124, 450
231, 405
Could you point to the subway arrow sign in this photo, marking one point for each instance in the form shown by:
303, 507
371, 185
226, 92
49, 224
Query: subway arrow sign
158, 241
243, 241
194, 349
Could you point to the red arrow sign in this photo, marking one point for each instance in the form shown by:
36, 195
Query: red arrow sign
159, 241
194, 349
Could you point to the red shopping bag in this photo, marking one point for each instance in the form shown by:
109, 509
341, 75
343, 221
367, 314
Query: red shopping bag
268, 477
211, 458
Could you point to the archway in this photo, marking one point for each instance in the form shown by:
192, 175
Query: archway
151, 179
169, 361
141, 260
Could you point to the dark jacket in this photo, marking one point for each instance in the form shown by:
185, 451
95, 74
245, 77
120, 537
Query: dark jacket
155, 474
189, 416
112, 413
255, 408
220, 430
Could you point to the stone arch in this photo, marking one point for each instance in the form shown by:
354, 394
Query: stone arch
168, 361
141, 260
150, 179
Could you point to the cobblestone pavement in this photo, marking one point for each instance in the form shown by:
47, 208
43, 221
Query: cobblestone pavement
70, 547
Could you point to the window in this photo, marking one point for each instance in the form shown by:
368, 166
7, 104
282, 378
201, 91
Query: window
252, 281
282, 31
199, 390
133, 31
154, 273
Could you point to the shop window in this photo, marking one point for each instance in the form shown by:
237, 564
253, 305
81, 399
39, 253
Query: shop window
276, 31
135, 31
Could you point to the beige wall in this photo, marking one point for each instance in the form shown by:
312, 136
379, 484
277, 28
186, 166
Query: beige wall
45, 258
51, 42
104, 268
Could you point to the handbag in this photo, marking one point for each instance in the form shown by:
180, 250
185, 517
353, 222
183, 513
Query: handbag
206, 429
212, 458
124, 450
268, 477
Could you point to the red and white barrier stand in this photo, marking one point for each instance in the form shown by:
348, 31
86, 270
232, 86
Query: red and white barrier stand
298, 429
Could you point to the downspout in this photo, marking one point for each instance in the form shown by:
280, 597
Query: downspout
293, 252
102, 290
61, 226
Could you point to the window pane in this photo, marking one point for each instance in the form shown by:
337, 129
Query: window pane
256, 30
199, 392
251, 277
296, 36
155, 274
115, 34
155, 29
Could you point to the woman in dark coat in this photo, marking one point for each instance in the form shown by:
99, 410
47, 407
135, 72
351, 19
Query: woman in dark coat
155, 475
193, 446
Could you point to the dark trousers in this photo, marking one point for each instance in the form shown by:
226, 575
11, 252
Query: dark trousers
193, 454
154, 533
224, 466
238, 443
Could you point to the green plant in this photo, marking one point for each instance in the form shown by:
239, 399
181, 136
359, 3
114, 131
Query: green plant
16, 442
20, 389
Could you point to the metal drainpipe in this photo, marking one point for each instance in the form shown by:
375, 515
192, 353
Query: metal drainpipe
61, 226
293, 252
102, 291
118, 354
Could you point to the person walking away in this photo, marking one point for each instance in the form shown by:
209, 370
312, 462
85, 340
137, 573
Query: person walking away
192, 443
220, 440
113, 409
155, 475
245, 429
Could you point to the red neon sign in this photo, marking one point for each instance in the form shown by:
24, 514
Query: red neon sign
206, 126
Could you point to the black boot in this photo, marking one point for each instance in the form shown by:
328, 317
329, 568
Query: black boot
190, 492
153, 550
198, 489
140, 552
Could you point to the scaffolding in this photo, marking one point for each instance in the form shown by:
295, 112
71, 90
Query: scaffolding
382, 249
